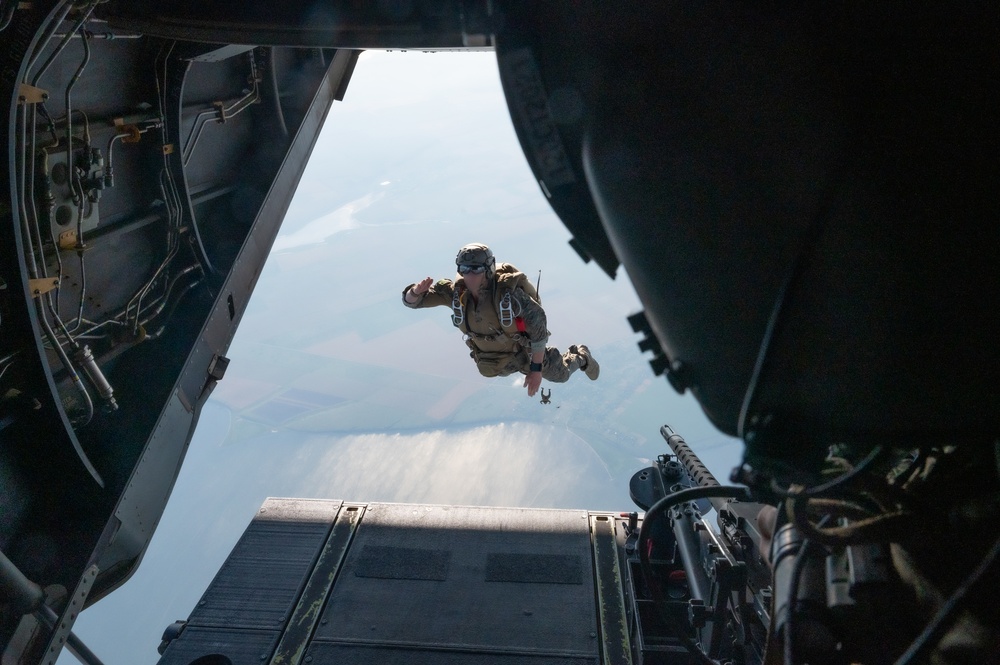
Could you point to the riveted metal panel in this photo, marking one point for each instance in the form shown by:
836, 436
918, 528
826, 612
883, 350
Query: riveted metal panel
468, 606
260, 583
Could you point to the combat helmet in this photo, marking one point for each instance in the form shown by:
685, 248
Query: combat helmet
477, 254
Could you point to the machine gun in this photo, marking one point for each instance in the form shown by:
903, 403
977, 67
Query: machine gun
698, 595
768, 586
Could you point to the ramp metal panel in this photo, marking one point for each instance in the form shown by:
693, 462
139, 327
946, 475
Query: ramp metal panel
323, 582
260, 582
473, 583
245, 609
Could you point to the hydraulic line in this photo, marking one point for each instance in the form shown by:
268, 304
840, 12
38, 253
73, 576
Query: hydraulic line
51, 212
224, 113
221, 113
187, 289
136, 300
33, 271
200, 121
52, 306
109, 177
161, 91
172, 243
52, 234
122, 318
75, 185
109, 173
48, 121
172, 205
250, 98
166, 296
62, 44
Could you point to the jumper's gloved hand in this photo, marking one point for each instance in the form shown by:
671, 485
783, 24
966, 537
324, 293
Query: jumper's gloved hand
417, 291
532, 382
422, 287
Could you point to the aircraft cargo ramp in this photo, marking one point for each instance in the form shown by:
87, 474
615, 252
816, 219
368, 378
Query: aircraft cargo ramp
320, 581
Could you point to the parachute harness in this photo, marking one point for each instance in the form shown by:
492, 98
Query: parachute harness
507, 315
458, 312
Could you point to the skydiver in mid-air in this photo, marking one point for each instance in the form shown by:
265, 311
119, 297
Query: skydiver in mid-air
498, 311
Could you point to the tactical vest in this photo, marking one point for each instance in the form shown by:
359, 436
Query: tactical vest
501, 330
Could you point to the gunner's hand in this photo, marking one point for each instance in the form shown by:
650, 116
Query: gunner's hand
532, 383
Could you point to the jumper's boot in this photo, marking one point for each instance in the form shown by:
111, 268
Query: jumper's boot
591, 368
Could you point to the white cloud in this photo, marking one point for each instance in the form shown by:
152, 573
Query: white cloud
319, 230
504, 464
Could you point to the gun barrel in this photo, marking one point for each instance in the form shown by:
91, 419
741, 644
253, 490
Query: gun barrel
695, 468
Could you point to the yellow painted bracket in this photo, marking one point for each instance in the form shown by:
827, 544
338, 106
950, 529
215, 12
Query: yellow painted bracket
67, 239
29, 94
42, 285
134, 135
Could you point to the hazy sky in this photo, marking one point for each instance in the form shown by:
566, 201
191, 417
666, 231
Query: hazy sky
335, 390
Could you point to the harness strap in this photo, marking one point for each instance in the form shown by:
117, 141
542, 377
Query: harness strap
506, 311
506, 316
458, 312
517, 337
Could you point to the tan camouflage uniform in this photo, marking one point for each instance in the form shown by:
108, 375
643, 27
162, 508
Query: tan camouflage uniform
496, 349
